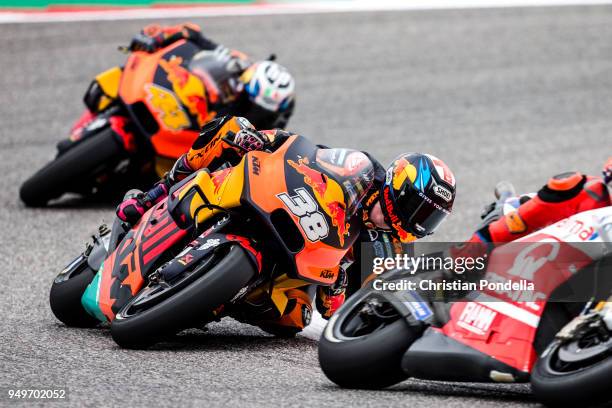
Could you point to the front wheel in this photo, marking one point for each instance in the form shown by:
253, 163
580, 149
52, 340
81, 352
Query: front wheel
66, 293
159, 310
363, 344
575, 373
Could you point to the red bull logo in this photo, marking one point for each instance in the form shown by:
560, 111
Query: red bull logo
219, 177
167, 107
396, 223
328, 193
188, 87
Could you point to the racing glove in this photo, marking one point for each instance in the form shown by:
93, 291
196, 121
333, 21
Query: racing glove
153, 37
131, 210
250, 139
607, 171
330, 298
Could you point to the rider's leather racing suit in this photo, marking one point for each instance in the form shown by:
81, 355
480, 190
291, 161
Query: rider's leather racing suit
217, 147
563, 196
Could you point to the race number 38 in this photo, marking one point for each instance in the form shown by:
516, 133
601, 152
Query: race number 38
303, 206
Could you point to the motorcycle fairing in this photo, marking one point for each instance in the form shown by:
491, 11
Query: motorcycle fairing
511, 326
103, 90
201, 247
122, 273
273, 179
175, 103
261, 182
435, 356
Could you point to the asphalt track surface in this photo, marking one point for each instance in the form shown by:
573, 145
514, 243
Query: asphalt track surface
518, 94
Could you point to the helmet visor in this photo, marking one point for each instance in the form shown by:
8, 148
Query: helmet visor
420, 214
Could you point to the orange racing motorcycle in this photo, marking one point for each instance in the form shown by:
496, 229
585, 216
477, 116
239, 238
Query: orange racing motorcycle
228, 243
142, 116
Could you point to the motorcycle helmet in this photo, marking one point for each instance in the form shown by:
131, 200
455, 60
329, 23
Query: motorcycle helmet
417, 195
270, 89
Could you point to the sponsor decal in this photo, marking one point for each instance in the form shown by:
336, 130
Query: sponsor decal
379, 249
328, 193
527, 262
476, 318
396, 223
515, 223
218, 177
185, 259
209, 243
164, 103
442, 192
255, 165
188, 87
419, 308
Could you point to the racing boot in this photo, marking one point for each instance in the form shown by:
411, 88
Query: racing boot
330, 298
296, 317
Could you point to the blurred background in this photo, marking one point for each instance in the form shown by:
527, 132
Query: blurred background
498, 93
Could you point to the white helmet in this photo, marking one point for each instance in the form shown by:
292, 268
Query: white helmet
269, 85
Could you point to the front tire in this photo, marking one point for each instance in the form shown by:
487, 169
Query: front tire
368, 361
65, 297
134, 328
557, 383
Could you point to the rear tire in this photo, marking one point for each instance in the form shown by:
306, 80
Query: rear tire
187, 307
371, 361
65, 299
71, 169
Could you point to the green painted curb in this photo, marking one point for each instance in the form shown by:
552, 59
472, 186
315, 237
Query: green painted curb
41, 4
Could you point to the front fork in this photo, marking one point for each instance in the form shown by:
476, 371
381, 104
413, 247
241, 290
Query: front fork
605, 309
597, 314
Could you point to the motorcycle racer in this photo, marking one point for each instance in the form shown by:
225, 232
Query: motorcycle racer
263, 91
406, 202
563, 195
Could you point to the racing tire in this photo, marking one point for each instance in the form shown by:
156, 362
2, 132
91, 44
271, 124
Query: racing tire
70, 170
582, 387
65, 298
372, 361
186, 307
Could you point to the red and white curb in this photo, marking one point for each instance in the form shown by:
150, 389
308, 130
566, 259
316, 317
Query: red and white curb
12, 16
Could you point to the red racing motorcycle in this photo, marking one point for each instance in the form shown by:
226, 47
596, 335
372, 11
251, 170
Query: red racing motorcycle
520, 333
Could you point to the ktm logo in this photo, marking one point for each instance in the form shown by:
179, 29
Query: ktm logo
326, 274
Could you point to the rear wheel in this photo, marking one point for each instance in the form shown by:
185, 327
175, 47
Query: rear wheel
73, 170
66, 292
161, 309
577, 372
363, 344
